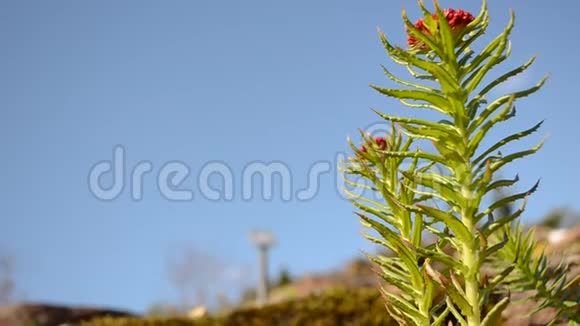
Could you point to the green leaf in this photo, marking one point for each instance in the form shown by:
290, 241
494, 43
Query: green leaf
376, 211
416, 95
458, 297
473, 36
494, 315
507, 140
444, 188
442, 257
396, 244
392, 276
507, 200
448, 83
406, 83
455, 313
493, 249
451, 150
406, 307
447, 38
503, 78
389, 267
418, 34
473, 81
449, 220
418, 231
479, 21
426, 302
443, 128
497, 46
420, 155
498, 279
441, 318
495, 105
504, 101
416, 74
503, 183
507, 113
515, 156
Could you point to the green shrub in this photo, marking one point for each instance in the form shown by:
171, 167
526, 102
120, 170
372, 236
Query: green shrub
337, 307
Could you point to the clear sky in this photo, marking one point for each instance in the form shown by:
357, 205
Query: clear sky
229, 81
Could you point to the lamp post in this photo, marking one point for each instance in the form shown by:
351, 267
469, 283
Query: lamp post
263, 240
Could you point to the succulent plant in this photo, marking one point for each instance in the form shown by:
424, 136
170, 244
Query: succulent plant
433, 178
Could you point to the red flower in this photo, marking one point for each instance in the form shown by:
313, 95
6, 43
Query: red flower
381, 143
411, 40
457, 19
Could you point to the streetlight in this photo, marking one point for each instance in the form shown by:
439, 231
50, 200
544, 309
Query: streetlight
263, 240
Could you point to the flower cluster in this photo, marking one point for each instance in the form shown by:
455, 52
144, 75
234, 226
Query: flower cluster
457, 19
411, 40
379, 141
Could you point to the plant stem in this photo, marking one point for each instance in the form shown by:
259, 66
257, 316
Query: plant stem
470, 252
471, 256
472, 284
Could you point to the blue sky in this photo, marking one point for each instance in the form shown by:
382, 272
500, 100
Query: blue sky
200, 81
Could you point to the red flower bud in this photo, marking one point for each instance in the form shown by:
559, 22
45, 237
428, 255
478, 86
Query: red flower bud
411, 40
457, 19
381, 142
